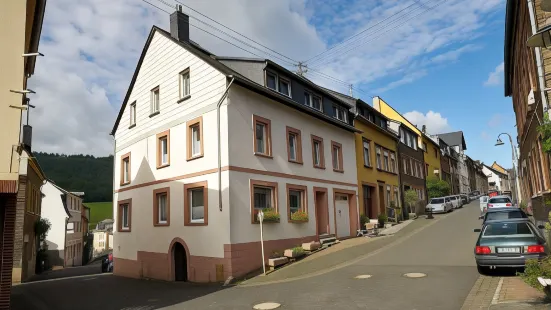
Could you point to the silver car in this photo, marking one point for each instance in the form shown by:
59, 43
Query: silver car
439, 205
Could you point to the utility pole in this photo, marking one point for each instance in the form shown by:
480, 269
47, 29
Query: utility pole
302, 68
350, 90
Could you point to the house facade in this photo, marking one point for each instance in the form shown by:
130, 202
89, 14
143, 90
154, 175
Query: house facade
189, 124
27, 213
20, 27
526, 82
496, 179
471, 168
456, 140
65, 238
431, 156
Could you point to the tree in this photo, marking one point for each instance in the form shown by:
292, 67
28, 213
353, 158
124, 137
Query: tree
411, 198
437, 188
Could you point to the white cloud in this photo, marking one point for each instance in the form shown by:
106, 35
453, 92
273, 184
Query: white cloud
484, 136
496, 76
433, 121
495, 120
92, 47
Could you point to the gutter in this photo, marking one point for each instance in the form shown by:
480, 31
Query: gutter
218, 105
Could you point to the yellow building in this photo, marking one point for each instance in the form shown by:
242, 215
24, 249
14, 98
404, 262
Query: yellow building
431, 148
377, 162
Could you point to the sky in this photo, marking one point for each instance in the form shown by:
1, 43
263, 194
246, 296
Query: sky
438, 62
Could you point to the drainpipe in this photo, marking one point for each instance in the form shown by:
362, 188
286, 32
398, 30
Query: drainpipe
537, 51
219, 142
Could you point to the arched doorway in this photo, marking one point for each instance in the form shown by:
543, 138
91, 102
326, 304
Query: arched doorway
180, 263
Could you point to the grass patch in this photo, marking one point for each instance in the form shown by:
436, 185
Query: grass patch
99, 211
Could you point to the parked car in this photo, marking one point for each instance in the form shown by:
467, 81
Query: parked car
508, 243
464, 199
483, 200
439, 205
455, 201
107, 263
499, 202
503, 214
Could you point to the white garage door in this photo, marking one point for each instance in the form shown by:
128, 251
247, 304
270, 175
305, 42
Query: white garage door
343, 216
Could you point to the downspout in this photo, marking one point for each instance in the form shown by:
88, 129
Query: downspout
537, 51
224, 95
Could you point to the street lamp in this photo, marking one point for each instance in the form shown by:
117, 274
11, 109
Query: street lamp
541, 38
515, 160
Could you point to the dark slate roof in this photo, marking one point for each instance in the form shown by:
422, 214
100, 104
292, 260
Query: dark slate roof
454, 138
239, 79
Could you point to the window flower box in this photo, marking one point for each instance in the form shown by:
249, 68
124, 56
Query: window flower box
299, 217
270, 216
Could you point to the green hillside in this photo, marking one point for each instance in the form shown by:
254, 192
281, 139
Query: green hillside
99, 211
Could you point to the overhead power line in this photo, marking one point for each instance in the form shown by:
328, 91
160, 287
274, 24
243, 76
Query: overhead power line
327, 58
361, 32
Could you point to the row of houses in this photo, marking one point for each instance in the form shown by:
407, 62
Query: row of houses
528, 81
203, 143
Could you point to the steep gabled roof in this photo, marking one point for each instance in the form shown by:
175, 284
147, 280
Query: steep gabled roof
498, 167
454, 138
497, 171
63, 196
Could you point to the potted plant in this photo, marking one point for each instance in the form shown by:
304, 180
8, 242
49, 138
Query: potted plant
382, 218
294, 252
299, 216
363, 220
397, 211
270, 216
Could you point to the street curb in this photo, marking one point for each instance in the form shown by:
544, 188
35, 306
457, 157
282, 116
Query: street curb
66, 278
498, 290
347, 263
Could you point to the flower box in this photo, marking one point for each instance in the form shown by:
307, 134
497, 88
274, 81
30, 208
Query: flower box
274, 262
270, 216
299, 217
294, 252
311, 246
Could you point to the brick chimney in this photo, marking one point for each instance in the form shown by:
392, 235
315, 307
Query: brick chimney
179, 25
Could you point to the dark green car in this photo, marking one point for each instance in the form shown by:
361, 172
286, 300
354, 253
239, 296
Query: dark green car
508, 243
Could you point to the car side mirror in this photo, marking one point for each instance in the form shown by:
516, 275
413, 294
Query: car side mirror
541, 227
477, 230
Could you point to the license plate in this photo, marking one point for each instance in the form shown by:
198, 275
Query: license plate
508, 250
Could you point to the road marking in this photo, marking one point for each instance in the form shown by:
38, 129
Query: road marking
60, 279
267, 306
350, 262
498, 290
363, 276
415, 275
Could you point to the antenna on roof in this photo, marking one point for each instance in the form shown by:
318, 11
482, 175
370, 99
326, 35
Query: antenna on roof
178, 7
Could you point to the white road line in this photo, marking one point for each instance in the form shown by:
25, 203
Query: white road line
498, 290
66, 278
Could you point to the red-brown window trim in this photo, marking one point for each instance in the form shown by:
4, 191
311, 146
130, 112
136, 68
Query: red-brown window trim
123, 157
190, 124
340, 159
268, 125
159, 158
303, 197
164, 190
298, 146
120, 203
187, 205
273, 186
315, 138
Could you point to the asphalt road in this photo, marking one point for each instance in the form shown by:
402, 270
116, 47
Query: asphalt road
442, 250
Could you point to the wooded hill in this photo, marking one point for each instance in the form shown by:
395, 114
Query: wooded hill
80, 173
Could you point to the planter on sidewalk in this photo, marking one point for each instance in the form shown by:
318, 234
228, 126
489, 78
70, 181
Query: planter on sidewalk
311, 246
275, 262
294, 252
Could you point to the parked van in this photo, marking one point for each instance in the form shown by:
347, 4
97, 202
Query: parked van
455, 200
483, 203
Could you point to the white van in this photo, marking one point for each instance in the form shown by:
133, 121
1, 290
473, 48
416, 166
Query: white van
483, 203
455, 201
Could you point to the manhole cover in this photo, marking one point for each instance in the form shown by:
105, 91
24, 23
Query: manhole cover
267, 306
415, 275
363, 276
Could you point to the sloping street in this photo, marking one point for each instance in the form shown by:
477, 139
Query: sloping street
440, 250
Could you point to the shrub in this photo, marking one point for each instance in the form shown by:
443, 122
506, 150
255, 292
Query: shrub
535, 269
382, 218
363, 220
298, 251
299, 216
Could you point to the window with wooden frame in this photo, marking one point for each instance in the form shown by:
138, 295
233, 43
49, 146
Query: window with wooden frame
396, 197
386, 160
392, 162
294, 145
124, 215
125, 169
284, 86
312, 100
378, 157
263, 196
318, 157
163, 149
425, 147
340, 113
132, 113
388, 195
426, 169
336, 153
185, 86
155, 101
435, 152
262, 140
161, 207
195, 138
196, 210
297, 200
366, 152
404, 165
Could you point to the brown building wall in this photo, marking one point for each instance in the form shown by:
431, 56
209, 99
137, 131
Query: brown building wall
8, 204
408, 181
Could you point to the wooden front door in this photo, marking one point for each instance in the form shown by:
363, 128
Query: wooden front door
382, 205
322, 212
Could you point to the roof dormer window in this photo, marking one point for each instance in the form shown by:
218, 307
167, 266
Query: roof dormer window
277, 83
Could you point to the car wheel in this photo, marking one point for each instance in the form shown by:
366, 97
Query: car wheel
482, 270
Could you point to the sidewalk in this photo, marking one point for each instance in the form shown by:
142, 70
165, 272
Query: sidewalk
337, 256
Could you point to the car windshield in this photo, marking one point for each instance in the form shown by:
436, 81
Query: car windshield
505, 215
506, 229
500, 200
437, 200
453, 198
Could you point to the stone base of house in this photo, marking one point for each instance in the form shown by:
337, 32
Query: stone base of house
239, 259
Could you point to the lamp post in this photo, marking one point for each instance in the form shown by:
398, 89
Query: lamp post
515, 160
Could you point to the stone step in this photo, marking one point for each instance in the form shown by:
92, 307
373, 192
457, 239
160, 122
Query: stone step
327, 239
